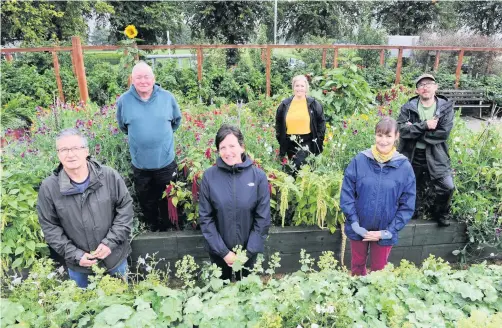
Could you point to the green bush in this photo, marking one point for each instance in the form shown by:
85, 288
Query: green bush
342, 91
433, 295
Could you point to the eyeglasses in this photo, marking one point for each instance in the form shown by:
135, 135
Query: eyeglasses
426, 84
64, 151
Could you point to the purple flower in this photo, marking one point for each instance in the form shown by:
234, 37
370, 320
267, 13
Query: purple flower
22, 154
498, 231
97, 149
355, 132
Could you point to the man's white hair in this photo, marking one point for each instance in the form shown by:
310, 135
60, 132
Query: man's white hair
142, 65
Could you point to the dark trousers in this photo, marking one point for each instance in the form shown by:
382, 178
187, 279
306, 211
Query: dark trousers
441, 189
226, 271
149, 186
296, 152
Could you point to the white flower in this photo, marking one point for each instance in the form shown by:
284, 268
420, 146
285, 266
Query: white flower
318, 308
141, 260
299, 326
16, 281
457, 139
148, 268
51, 275
492, 254
314, 325
493, 148
330, 309
361, 308
60, 270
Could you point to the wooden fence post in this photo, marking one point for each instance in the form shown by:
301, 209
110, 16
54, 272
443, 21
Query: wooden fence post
335, 58
459, 68
323, 58
199, 63
268, 70
55, 62
382, 57
78, 61
399, 65
436, 61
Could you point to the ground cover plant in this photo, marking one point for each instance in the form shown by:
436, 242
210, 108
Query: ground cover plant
323, 295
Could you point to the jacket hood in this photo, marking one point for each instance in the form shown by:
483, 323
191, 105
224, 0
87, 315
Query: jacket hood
443, 104
396, 160
246, 162
65, 186
156, 88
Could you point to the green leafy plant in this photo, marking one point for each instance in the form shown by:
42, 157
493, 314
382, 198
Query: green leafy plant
342, 91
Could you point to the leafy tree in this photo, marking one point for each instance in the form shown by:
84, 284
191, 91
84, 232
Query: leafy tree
412, 17
229, 22
484, 17
152, 19
331, 19
27, 20
38, 21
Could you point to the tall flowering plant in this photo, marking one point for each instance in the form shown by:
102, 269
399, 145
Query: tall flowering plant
130, 49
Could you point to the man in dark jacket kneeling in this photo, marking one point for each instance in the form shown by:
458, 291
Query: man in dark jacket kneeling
425, 123
85, 211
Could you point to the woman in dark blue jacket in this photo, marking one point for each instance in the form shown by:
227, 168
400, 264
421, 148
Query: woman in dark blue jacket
234, 203
377, 198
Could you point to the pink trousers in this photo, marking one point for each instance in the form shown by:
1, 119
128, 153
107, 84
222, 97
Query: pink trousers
378, 256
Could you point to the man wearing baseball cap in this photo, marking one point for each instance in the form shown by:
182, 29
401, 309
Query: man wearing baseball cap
425, 123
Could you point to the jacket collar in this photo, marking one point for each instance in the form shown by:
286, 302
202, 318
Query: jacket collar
95, 175
288, 101
395, 162
246, 162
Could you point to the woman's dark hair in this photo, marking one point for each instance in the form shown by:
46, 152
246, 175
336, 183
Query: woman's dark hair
224, 131
386, 125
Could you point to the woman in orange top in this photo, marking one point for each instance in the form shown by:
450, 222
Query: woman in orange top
299, 124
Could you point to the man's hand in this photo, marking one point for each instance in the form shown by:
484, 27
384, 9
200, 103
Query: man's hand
87, 260
431, 124
102, 252
230, 258
373, 236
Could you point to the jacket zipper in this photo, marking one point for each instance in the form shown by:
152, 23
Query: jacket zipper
235, 207
376, 202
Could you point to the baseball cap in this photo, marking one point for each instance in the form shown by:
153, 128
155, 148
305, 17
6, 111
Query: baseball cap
424, 76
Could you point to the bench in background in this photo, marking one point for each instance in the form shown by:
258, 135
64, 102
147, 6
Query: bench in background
469, 99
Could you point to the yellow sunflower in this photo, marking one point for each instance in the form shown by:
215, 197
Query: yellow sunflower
131, 31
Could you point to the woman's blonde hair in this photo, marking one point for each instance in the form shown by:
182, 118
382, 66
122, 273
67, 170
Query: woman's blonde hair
300, 78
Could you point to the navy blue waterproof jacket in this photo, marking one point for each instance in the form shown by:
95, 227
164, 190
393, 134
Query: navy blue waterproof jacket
234, 207
378, 196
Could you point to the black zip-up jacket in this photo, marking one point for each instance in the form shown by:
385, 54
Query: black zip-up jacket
317, 124
234, 207
76, 223
436, 150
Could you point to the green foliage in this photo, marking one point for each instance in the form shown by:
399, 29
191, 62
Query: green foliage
431, 296
22, 238
34, 22
331, 19
229, 22
481, 16
342, 91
